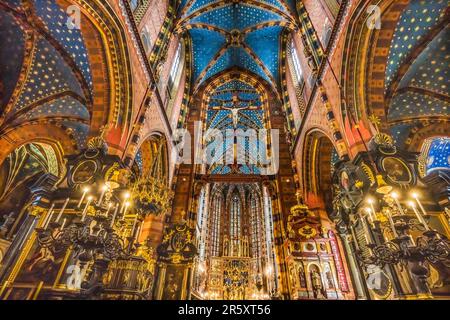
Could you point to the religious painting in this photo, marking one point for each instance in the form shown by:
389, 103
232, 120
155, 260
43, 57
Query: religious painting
84, 172
174, 280
397, 170
41, 264
345, 180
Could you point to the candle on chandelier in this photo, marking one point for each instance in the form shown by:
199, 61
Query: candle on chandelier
126, 197
394, 196
49, 216
86, 208
366, 230
418, 215
371, 202
134, 225
63, 224
85, 191
371, 217
415, 195
127, 205
391, 222
114, 215
104, 189
138, 233
109, 209
62, 210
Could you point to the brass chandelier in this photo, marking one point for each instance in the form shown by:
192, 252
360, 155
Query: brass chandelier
151, 192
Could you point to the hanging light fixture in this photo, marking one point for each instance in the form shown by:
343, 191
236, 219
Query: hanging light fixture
151, 192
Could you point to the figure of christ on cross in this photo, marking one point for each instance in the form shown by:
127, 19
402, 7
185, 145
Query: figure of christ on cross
235, 109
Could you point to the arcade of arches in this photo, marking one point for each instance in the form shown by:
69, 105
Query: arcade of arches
224, 150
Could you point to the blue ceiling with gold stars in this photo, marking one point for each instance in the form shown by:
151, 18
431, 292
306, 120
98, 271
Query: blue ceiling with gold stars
242, 34
419, 85
228, 35
415, 23
240, 96
50, 80
439, 155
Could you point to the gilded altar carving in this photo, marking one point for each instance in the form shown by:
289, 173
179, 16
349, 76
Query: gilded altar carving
178, 246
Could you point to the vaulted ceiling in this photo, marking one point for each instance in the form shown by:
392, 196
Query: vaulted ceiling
230, 33
44, 69
417, 79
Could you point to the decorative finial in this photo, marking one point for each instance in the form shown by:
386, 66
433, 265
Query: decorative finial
376, 122
298, 194
183, 216
99, 142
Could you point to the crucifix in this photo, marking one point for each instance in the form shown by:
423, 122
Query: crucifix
235, 109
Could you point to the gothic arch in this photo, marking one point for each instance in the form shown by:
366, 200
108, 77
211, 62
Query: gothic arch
318, 155
423, 131
152, 160
111, 68
365, 56
23, 167
53, 133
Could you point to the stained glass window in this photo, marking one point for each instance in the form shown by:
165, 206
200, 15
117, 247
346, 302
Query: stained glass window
202, 217
215, 226
257, 236
298, 71
175, 67
235, 225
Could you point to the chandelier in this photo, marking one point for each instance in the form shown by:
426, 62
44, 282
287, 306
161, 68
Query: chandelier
152, 195
151, 192
400, 248
97, 234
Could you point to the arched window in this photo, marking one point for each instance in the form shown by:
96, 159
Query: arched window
175, 68
202, 218
145, 36
271, 266
215, 226
298, 71
235, 225
328, 29
24, 167
257, 236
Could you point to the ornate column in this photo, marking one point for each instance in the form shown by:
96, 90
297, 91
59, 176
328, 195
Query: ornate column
175, 262
279, 236
36, 211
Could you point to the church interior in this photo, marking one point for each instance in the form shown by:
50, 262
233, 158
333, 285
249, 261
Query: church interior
224, 150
